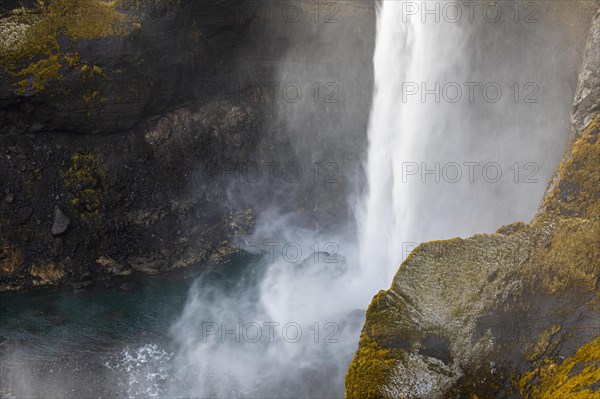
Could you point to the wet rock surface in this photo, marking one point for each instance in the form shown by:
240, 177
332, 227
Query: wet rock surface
122, 204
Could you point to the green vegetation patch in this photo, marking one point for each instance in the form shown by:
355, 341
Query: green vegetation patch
85, 179
371, 371
577, 193
34, 41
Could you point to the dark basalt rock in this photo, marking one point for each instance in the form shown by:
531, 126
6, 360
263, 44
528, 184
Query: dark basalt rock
145, 162
82, 284
60, 223
23, 215
436, 346
151, 69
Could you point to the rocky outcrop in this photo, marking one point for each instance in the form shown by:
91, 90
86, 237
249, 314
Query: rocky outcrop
146, 202
145, 194
587, 98
61, 222
512, 314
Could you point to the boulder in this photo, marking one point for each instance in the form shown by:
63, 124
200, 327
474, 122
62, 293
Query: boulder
60, 223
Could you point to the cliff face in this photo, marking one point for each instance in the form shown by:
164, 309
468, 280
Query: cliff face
107, 166
131, 131
510, 314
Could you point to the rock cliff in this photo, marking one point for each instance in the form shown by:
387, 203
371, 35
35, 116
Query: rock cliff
131, 130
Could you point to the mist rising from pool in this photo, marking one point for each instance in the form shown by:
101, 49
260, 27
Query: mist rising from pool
437, 164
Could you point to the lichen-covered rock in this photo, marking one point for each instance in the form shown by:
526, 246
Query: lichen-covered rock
575, 377
48, 273
587, 97
511, 314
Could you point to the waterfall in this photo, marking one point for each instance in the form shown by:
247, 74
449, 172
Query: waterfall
445, 147
407, 52
469, 118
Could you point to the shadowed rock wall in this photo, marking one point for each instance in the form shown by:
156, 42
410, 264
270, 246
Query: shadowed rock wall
127, 130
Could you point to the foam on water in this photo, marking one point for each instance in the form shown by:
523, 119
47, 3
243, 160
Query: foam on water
146, 368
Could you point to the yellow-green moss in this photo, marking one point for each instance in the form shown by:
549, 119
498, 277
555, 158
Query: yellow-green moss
87, 98
544, 342
556, 258
39, 73
86, 178
572, 210
577, 192
569, 259
31, 37
383, 323
47, 273
369, 374
562, 381
11, 259
376, 359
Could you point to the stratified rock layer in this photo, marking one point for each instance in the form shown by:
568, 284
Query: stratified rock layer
511, 314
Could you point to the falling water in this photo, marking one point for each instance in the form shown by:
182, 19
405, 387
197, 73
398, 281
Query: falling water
406, 51
398, 210
434, 155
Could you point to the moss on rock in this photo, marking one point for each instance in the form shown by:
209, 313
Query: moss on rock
575, 378
377, 362
47, 274
519, 310
576, 193
85, 179
11, 258
36, 42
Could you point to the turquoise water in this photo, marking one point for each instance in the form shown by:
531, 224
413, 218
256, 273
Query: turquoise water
150, 341
102, 341
49, 320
